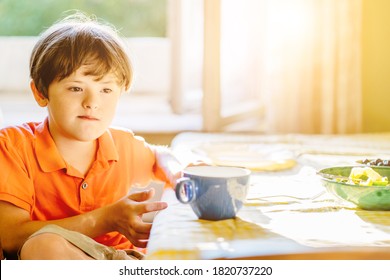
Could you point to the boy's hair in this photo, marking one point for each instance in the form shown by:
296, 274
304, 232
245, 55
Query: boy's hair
75, 41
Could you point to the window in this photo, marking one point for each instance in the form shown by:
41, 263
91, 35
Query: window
270, 66
134, 18
209, 68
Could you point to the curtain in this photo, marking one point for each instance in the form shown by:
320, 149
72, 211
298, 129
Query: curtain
300, 59
312, 66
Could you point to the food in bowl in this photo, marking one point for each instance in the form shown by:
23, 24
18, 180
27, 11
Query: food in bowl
365, 195
366, 176
375, 162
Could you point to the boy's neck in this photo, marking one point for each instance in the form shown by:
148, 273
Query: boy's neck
78, 154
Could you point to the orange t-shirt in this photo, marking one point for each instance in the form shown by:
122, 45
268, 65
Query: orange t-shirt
35, 177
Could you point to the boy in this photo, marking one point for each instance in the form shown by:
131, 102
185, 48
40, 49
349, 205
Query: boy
65, 181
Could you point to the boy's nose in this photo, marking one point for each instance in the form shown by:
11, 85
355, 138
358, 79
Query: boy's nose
90, 106
90, 102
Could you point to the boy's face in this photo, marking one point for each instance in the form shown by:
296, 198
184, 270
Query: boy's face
81, 107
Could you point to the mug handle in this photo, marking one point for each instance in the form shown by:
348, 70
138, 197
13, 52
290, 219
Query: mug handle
185, 190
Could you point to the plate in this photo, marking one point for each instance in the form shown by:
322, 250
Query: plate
365, 197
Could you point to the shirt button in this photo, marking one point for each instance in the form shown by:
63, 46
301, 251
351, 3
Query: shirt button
84, 186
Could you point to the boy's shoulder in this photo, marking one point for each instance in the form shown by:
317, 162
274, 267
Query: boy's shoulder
20, 137
120, 133
125, 137
22, 132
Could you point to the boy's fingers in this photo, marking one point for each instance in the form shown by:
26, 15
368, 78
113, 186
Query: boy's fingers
142, 196
155, 206
147, 206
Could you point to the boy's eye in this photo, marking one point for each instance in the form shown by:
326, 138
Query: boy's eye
75, 89
107, 90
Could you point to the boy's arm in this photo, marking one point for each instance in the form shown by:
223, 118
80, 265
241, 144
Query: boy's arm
122, 216
168, 163
171, 165
16, 226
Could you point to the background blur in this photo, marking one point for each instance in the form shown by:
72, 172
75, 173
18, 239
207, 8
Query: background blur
267, 66
134, 18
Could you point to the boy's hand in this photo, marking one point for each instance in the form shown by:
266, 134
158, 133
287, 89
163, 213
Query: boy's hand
127, 216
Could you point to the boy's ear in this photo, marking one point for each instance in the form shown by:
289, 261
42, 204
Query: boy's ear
39, 97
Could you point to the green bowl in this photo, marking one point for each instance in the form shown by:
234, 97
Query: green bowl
365, 197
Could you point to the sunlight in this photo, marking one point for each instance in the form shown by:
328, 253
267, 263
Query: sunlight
290, 19
348, 228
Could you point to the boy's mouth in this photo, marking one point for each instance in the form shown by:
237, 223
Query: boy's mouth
89, 118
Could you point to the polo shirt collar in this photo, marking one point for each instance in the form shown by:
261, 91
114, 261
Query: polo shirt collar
107, 150
50, 159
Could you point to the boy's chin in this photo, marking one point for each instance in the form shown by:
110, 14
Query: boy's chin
89, 137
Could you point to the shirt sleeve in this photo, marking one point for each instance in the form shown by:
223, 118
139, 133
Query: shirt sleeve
167, 167
145, 164
16, 185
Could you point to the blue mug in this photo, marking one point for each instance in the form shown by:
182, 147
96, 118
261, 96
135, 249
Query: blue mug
214, 192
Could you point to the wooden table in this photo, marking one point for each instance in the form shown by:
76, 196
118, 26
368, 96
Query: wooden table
288, 214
